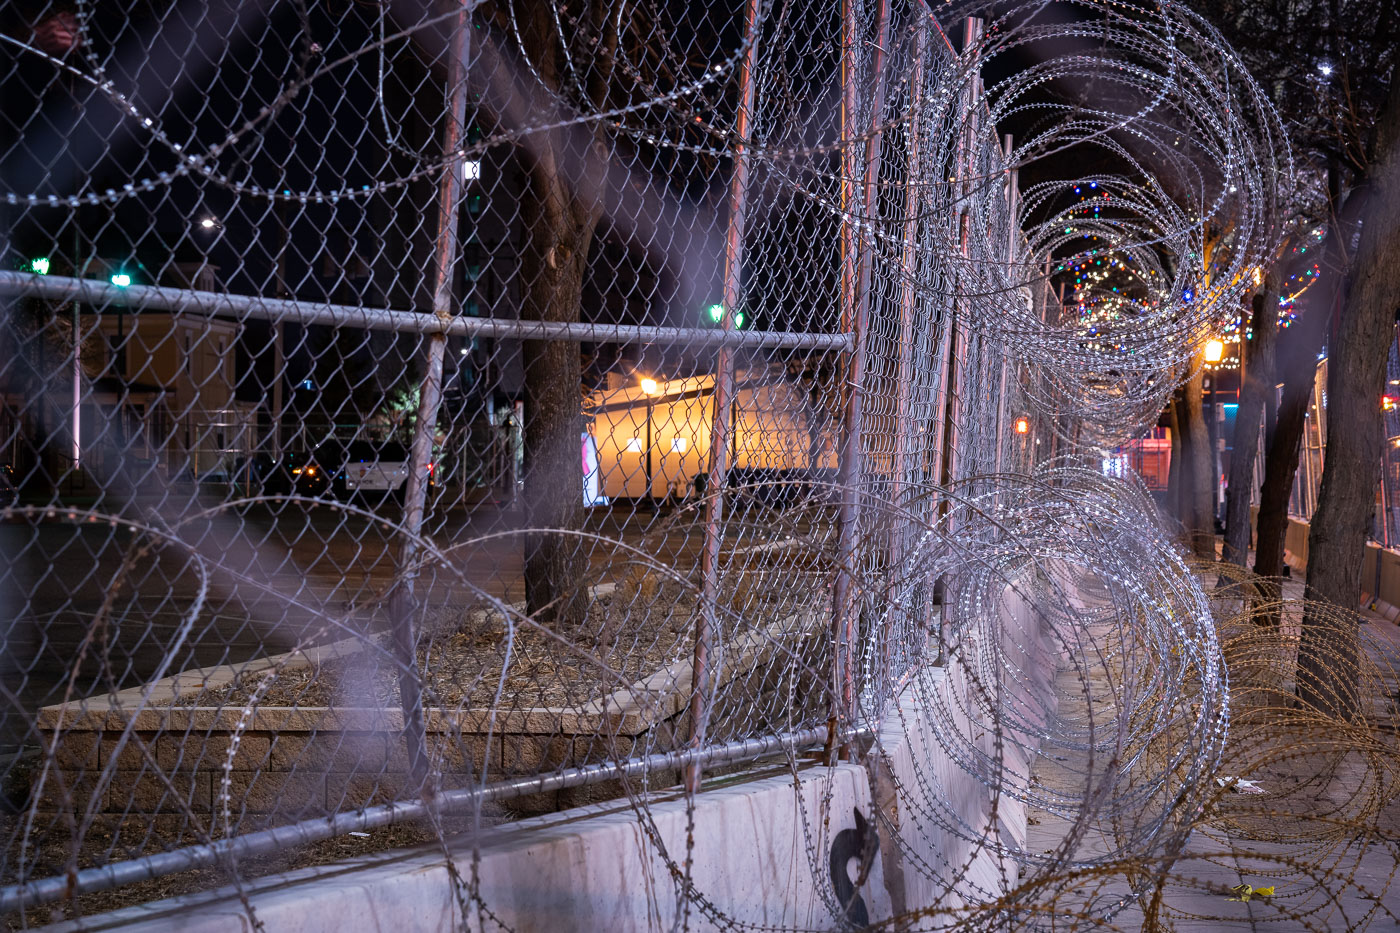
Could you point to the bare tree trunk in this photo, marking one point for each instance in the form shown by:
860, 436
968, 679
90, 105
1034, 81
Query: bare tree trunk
560, 210
1258, 386
1327, 661
1297, 364
1196, 496
555, 562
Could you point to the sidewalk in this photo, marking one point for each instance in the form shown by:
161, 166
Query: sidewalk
1356, 891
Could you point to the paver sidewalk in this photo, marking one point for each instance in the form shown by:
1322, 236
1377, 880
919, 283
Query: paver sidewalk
1198, 896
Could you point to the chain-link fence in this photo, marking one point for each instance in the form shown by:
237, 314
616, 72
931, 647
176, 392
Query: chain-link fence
421, 415
497, 404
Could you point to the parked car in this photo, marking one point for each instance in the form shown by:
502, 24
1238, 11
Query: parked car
372, 470
295, 473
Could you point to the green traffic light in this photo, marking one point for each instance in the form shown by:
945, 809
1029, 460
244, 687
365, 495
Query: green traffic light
39, 265
716, 312
121, 280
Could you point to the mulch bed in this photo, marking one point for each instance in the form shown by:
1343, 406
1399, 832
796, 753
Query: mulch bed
625, 637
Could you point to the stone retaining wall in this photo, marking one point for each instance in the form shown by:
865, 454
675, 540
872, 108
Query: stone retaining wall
300, 761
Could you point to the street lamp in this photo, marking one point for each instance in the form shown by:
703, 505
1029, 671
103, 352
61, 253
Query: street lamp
649, 389
1213, 353
1022, 427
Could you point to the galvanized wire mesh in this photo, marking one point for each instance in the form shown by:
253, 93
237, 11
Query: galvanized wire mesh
450, 398
429, 415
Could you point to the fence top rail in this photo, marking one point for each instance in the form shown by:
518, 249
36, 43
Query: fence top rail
296, 311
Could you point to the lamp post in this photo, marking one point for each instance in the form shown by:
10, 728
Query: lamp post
650, 389
1213, 353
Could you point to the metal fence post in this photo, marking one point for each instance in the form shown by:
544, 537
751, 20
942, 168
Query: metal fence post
404, 604
1012, 197
717, 477
908, 300
855, 298
908, 297
956, 342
